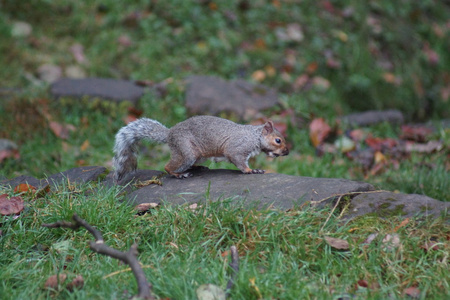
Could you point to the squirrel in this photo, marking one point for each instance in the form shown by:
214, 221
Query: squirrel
196, 139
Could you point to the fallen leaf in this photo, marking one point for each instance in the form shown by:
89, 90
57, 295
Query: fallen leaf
379, 144
61, 130
301, 82
379, 157
24, 188
391, 241
143, 207
76, 283
255, 287
416, 133
210, 292
9, 153
363, 283
432, 56
412, 292
54, 281
357, 135
193, 206
125, 40
431, 146
430, 245
337, 243
270, 70
10, 206
312, 67
402, 224
370, 239
318, 131
321, 83
78, 53
85, 145
391, 78
259, 75
345, 144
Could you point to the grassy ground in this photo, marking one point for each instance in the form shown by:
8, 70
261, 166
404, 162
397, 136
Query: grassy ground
282, 255
375, 55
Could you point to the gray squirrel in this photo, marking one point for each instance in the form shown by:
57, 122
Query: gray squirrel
196, 139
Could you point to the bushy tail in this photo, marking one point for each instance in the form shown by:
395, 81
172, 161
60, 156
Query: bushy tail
127, 139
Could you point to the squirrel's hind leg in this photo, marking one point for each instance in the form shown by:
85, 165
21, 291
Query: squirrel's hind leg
179, 163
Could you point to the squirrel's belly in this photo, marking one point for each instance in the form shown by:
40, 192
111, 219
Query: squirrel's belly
219, 159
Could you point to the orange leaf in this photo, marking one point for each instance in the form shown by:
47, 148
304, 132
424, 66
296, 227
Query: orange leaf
85, 145
318, 131
24, 188
402, 224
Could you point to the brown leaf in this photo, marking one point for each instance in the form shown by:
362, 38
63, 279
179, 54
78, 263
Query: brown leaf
9, 153
430, 245
54, 280
363, 283
10, 206
61, 130
318, 131
337, 243
402, 224
76, 283
24, 188
412, 292
85, 145
379, 144
416, 133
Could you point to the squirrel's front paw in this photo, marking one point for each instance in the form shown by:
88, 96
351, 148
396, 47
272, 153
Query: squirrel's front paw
256, 171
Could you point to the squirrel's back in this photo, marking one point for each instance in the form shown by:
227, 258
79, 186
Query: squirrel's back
214, 136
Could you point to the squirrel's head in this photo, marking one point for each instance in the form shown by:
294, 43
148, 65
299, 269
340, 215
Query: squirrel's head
273, 143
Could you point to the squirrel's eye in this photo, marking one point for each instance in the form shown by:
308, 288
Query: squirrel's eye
278, 141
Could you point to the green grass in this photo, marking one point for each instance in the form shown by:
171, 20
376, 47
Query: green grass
283, 253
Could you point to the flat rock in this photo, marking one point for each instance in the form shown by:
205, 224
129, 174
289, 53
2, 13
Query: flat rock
389, 204
78, 175
372, 117
111, 89
213, 95
22, 179
275, 190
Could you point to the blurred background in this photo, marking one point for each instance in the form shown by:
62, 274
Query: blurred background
326, 59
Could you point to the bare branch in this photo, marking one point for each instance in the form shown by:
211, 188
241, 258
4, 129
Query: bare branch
129, 257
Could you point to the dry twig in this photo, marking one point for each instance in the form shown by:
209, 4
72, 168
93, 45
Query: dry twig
129, 257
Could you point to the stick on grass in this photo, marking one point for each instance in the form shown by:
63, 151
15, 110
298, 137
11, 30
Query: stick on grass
129, 257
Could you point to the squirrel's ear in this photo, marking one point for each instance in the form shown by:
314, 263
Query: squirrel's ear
268, 127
